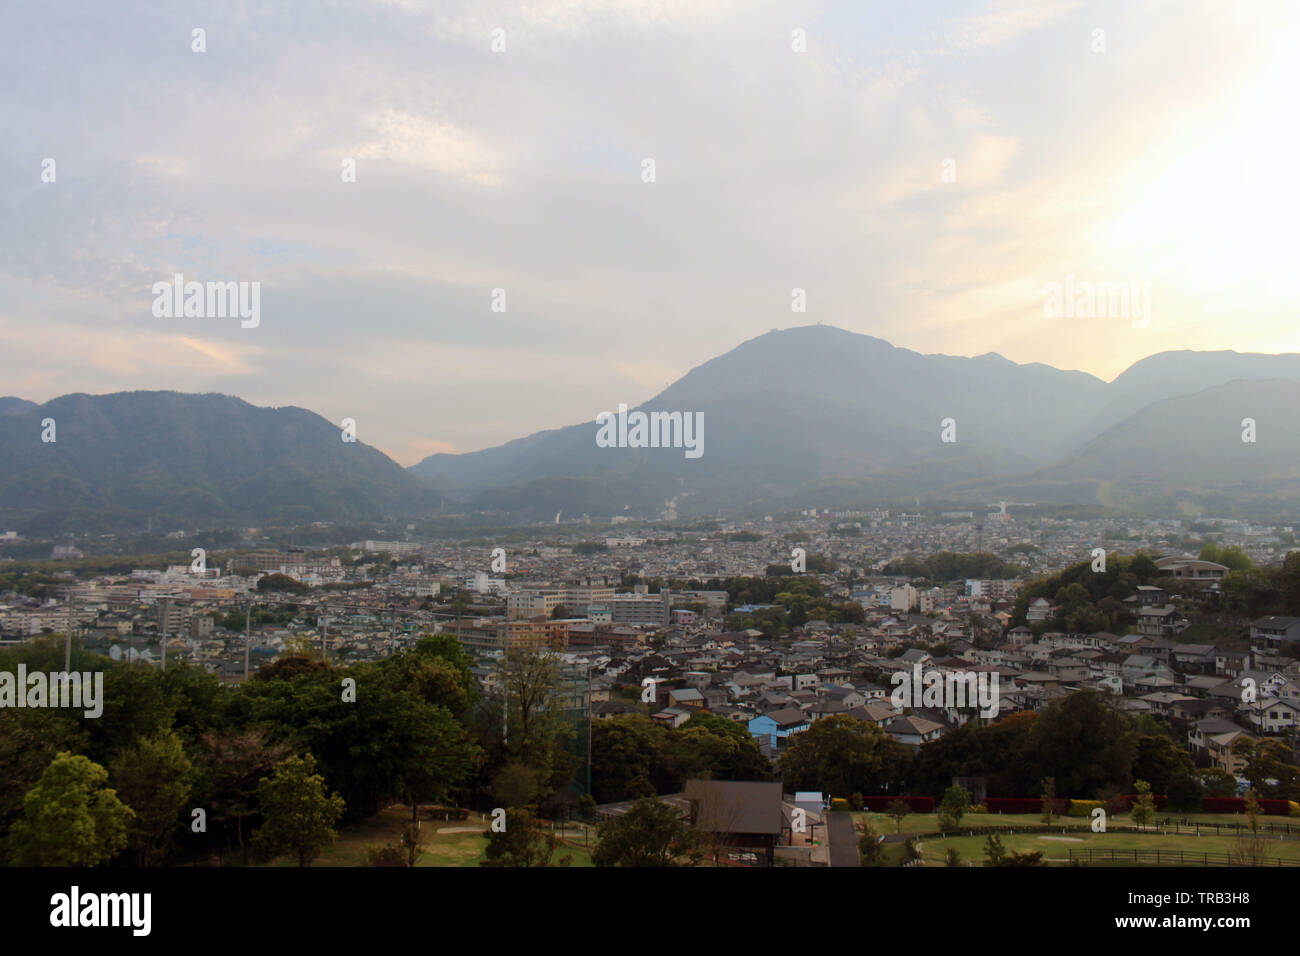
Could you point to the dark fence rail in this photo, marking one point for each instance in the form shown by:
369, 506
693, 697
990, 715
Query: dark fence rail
1173, 858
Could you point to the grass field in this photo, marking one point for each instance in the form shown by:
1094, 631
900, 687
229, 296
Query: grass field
446, 848
1071, 833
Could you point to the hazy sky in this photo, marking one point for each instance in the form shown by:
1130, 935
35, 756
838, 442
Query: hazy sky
1167, 159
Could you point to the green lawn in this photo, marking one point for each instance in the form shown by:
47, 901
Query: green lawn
1056, 850
929, 822
1071, 833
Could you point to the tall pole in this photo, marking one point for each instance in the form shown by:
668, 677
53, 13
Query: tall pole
166, 617
67, 639
589, 729
248, 616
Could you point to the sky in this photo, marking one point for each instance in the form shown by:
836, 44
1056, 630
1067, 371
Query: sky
923, 171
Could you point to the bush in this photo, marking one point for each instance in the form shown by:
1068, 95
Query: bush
1084, 808
915, 804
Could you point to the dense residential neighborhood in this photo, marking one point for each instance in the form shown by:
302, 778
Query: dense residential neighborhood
756, 637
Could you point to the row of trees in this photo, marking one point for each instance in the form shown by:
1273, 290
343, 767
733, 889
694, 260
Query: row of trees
1080, 742
410, 728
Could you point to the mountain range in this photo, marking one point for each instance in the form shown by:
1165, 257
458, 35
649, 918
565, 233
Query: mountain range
819, 415
186, 459
798, 417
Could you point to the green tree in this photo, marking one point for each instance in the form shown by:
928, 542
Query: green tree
994, 851
952, 858
71, 817
955, 803
1082, 743
898, 810
298, 813
626, 749
281, 582
709, 747
1049, 799
1144, 807
231, 765
650, 833
1290, 583
870, 852
155, 778
522, 843
844, 755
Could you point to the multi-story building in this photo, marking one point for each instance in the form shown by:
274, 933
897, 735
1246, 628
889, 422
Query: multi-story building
651, 609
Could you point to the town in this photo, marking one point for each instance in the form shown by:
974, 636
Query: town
777, 627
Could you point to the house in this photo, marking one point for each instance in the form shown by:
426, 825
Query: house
672, 716
1273, 633
747, 819
688, 697
1198, 657
1185, 568
779, 725
1163, 621
849, 696
1040, 609
1272, 716
1149, 596
1198, 736
1222, 755
914, 731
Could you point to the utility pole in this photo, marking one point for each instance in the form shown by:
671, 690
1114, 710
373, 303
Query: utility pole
589, 729
248, 616
166, 617
67, 639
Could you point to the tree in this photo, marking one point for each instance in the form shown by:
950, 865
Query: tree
1268, 768
71, 817
709, 747
535, 732
155, 778
298, 813
522, 843
956, 800
994, 851
1247, 592
952, 858
1159, 761
281, 582
1034, 858
1049, 799
1291, 583
898, 810
1144, 807
650, 833
1082, 743
870, 852
1250, 849
626, 749
1217, 782
232, 764
843, 755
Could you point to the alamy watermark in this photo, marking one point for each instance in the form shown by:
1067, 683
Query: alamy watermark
1083, 299
951, 689
179, 299
56, 689
651, 430
76, 909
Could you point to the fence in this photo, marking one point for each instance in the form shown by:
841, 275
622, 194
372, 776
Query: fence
1171, 858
